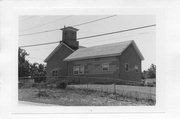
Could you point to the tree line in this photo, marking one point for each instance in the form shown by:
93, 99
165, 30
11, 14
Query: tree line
150, 72
25, 68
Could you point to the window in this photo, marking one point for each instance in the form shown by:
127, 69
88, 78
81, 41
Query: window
78, 70
105, 67
54, 73
136, 68
81, 69
126, 67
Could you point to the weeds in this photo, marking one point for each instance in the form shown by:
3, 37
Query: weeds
129, 97
106, 95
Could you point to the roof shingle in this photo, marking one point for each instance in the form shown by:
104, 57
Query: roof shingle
101, 51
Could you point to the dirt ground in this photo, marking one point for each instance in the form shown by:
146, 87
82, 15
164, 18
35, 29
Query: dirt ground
76, 97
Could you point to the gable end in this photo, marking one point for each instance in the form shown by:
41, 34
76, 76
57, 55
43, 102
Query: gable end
56, 49
136, 50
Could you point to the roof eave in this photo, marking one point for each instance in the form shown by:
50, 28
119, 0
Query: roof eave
137, 50
55, 50
92, 57
51, 54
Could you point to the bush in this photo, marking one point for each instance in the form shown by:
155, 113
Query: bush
42, 94
34, 85
61, 85
151, 84
20, 85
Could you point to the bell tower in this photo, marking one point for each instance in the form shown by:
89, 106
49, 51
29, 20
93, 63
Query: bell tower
69, 37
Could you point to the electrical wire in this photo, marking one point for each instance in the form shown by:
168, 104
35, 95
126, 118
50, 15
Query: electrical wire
131, 29
93, 21
40, 32
53, 21
71, 26
40, 44
117, 32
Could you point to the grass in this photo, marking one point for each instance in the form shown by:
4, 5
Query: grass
141, 92
77, 97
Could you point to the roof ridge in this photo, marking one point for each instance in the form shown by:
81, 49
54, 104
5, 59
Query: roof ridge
130, 41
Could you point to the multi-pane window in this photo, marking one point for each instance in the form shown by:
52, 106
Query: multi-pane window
81, 69
105, 67
54, 73
78, 70
126, 67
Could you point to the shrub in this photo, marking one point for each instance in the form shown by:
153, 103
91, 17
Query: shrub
42, 94
20, 85
151, 84
34, 85
61, 85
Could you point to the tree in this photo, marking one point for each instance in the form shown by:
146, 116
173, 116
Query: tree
38, 72
152, 71
42, 68
25, 69
34, 69
144, 74
23, 64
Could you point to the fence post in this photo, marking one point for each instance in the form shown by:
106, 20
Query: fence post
150, 93
115, 89
87, 87
140, 94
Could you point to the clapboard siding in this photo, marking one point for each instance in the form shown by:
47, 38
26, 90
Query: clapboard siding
56, 62
131, 57
93, 67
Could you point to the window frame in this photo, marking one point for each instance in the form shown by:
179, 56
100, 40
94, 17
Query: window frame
103, 67
126, 67
75, 67
55, 73
78, 67
136, 70
81, 66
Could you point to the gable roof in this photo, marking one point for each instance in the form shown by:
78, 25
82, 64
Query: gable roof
56, 49
106, 50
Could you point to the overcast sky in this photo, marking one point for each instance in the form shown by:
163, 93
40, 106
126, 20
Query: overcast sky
144, 38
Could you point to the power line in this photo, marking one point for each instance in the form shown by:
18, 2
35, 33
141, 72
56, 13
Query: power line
72, 26
40, 32
29, 18
40, 44
94, 35
126, 36
47, 23
94, 21
118, 31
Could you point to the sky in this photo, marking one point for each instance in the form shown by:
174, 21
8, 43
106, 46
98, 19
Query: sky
145, 39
